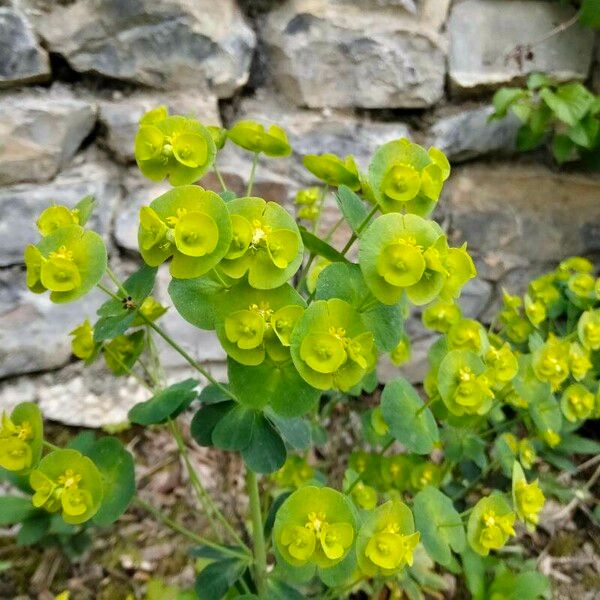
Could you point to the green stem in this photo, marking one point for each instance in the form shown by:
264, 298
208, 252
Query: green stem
116, 281
359, 229
175, 526
50, 446
335, 227
139, 379
252, 174
219, 177
260, 549
107, 291
427, 404
209, 506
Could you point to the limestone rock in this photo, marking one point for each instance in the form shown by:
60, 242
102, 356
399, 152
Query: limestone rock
469, 134
321, 55
22, 60
483, 33
120, 117
169, 44
21, 204
40, 133
524, 210
33, 330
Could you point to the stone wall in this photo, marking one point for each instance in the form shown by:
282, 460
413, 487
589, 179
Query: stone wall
339, 75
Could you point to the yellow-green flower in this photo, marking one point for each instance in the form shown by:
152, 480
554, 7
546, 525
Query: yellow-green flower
218, 135
21, 437
331, 347
551, 361
579, 361
535, 310
551, 437
490, 524
68, 482
463, 384
151, 309
576, 264
460, 269
467, 334
396, 471
582, 285
253, 136
406, 178
314, 525
295, 472
404, 254
387, 540
68, 262
82, 344
512, 397
176, 147
378, 423
440, 315
55, 217
189, 224
424, 474
527, 454
502, 363
588, 329
528, 498
402, 352
333, 170
266, 243
577, 402
365, 496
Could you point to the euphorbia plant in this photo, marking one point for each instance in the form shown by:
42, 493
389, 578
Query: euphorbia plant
304, 327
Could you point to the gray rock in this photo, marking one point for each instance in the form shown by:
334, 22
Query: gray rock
33, 330
21, 204
483, 33
469, 134
321, 55
22, 60
120, 117
523, 210
475, 297
40, 133
169, 44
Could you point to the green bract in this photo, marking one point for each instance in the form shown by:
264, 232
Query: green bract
258, 323
528, 499
331, 347
69, 262
266, 243
176, 147
69, 482
55, 217
82, 344
333, 170
588, 329
403, 253
252, 136
406, 178
21, 437
577, 402
188, 223
315, 525
463, 385
387, 539
490, 524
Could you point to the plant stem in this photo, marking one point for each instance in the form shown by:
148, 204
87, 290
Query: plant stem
50, 446
220, 177
427, 404
116, 281
252, 174
107, 291
260, 549
359, 229
175, 526
209, 506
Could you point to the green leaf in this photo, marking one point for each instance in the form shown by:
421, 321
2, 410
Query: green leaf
14, 509
278, 385
228, 195
504, 98
215, 580
589, 13
410, 422
234, 431
82, 442
318, 247
440, 525
266, 452
85, 207
196, 300
116, 466
280, 590
205, 420
352, 207
167, 403
572, 443
585, 133
527, 139
213, 552
138, 285
562, 148
570, 102
341, 574
474, 567
275, 506
33, 529
107, 328
537, 80
295, 431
